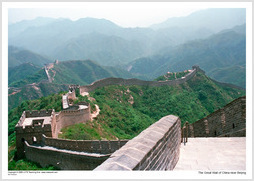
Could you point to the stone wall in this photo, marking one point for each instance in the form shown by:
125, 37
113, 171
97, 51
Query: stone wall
156, 148
127, 82
70, 117
227, 121
91, 146
63, 159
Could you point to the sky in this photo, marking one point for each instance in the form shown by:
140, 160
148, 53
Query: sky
125, 14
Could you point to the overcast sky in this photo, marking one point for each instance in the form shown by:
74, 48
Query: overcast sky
126, 14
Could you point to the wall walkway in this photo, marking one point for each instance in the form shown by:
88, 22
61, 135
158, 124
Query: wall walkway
220, 154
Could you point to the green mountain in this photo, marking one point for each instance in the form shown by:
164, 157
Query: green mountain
83, 72
21, 71
33, 91
37, 85
36, 77
18, 56
221, 51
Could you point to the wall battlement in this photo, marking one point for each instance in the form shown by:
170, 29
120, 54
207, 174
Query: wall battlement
41, 113
30, 128
227, 121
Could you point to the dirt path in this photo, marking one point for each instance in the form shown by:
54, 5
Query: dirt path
95, 113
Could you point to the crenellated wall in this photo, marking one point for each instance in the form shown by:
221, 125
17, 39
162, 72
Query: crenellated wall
227, 121
156, 148
127, 82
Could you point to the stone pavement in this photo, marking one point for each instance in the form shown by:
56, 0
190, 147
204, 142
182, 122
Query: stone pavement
225, 153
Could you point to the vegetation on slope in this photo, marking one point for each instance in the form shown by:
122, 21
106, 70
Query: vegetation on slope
22, 71
233, 74
125, 111
32, 92
30, 79
84, 72
172, 76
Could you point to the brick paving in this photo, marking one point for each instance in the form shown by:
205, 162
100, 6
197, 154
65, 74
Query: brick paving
226, 153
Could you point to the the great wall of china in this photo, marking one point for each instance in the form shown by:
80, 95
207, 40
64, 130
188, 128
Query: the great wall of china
156, 148
127, 82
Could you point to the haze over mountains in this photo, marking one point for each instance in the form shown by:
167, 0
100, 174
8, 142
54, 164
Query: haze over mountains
214, 39
109, 44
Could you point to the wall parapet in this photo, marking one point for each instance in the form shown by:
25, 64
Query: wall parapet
91, 146
63, 159
155, 148
41, 113
227, 121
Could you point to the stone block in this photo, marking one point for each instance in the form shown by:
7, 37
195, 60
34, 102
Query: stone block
134, 153
127, 161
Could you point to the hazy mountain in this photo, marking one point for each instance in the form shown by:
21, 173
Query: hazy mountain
219, 51
110, 44
52, 35
101, 48
21, 71
17, 28
215, 19
18, 56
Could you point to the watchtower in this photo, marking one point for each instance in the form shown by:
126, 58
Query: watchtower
31, 126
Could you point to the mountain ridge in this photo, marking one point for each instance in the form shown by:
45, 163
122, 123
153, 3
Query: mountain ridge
222, 50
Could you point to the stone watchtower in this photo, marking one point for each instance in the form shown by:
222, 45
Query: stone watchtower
31, 126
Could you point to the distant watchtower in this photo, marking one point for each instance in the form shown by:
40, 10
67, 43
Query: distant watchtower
56, 62
198, 69
31, 126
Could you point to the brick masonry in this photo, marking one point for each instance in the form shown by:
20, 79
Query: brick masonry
156, 148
